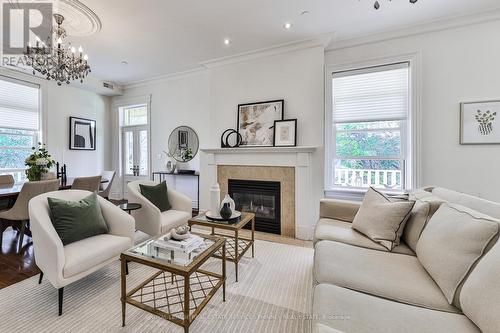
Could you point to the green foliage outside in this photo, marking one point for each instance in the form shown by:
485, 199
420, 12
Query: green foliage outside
352, 141
19, 143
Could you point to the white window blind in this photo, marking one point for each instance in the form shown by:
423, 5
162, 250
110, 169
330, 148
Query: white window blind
372, 94
19, 105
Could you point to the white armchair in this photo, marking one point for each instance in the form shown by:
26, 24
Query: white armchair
62, 265
149, 219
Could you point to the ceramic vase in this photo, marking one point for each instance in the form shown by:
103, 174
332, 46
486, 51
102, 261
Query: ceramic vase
226, 211
228, 199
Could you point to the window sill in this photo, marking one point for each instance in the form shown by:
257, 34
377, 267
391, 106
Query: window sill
355, 194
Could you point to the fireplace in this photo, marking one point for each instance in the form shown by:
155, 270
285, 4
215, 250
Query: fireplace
260, 197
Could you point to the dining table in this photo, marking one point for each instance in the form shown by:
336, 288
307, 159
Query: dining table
12, 190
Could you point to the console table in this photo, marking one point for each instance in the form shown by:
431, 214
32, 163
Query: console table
162, 175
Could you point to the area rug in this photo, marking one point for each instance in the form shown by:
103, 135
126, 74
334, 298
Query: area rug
273, 295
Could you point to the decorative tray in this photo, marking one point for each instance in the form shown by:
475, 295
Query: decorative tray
216, 217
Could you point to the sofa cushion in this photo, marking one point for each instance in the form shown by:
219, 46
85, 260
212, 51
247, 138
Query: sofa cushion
453, 240
342, 210
381, 219
339, 231
354, 312
90, 252
480, 295
426, 204
481, 205
173, 219
389, 275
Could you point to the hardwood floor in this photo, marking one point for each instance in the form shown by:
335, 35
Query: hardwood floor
16, 267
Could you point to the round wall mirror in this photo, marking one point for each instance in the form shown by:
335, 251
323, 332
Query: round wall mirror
183, 144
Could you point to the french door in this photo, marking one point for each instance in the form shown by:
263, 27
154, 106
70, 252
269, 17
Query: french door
135, 154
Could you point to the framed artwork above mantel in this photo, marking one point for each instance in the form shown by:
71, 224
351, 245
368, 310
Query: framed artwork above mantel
255, 122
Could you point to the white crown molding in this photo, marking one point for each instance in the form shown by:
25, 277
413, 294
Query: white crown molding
322, 40
163, 78
418, 29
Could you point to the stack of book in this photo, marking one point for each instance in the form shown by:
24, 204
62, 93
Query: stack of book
187, 245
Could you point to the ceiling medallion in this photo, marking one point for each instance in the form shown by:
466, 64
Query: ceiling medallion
376, 5
56, 60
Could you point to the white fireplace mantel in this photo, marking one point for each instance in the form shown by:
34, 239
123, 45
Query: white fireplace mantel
298, 157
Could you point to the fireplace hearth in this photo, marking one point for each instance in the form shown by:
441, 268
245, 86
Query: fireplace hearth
260, 197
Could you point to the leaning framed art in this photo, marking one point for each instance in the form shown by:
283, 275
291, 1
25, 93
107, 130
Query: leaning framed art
82, 134
256, 122
479, 123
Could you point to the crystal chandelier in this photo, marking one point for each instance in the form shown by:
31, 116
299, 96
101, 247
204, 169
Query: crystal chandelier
56, 60
376, 5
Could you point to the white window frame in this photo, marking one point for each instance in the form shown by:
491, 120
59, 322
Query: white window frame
117, 104
410, 133
39, 133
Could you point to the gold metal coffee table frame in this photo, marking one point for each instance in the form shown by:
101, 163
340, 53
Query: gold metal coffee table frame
237, 246
163, 294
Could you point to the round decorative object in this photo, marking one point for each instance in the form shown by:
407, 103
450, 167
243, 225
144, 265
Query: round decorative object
183, 144
180, 233
216, 217
227, 136
226, 211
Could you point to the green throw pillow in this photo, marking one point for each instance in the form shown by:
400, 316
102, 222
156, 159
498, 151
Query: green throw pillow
157, 194
77, 220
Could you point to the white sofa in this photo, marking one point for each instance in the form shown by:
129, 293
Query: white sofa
149, 218
62, 265
360, 288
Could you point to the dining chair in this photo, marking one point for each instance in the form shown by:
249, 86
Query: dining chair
18, 216
6, 179
106, 187
87, 183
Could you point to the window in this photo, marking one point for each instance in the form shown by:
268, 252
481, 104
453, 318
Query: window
369, 136
134, 138
19, 125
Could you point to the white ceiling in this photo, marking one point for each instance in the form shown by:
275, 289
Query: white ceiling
159, 37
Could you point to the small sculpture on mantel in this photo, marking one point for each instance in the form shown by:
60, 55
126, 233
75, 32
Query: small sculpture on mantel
226, 135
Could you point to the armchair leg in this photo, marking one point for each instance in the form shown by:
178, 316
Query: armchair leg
61, 290
40, 278
21, 235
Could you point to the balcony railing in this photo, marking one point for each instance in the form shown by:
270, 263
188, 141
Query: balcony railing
390, 179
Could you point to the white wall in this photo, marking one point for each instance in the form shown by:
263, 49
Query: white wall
456, 65
208, 101
296, 77
175, 102
58, 104
63, 102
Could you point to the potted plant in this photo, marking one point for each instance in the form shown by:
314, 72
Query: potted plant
38, 163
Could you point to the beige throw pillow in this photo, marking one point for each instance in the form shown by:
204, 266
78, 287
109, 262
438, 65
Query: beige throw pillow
454, 239
382, 220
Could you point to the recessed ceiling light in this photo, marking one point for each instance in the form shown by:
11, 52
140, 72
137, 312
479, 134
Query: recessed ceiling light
227, 41
287, 26
124, 62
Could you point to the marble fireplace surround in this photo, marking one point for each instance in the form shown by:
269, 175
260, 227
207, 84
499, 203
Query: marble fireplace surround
273, 164
284, 175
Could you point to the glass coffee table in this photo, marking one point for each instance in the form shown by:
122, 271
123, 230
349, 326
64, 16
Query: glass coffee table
180, 289
237, 246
